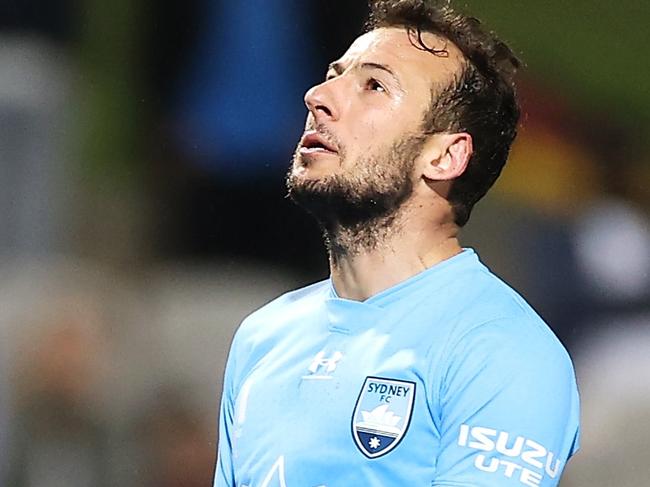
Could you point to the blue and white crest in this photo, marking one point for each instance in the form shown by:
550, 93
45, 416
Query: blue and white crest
382, 415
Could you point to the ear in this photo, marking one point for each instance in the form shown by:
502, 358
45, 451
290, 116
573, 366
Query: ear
445, 156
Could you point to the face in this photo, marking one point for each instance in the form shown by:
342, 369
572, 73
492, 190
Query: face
363, 134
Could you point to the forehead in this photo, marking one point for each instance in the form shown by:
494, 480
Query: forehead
399, 49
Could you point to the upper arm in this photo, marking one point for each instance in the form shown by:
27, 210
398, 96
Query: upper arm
224, 471
508, 408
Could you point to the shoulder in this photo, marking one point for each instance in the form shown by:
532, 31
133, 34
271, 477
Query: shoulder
518, 342
468, 289
501, 357
272, 318
489, 324
264, 329
487, 306
499, 339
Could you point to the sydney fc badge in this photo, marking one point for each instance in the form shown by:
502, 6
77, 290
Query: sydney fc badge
382, 415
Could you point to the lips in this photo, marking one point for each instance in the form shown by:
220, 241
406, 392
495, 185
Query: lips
314, 141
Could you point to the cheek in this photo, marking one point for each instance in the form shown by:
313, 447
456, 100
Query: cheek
386, 122
367, 135
378, 128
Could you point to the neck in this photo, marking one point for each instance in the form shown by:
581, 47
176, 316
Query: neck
369, 259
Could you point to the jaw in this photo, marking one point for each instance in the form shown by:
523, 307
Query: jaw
315, 166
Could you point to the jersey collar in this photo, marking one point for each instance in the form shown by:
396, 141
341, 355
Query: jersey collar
345, 315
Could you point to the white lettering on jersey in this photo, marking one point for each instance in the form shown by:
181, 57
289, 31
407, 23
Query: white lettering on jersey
271, 479
322, 367
279, 467
510, 469
522, 450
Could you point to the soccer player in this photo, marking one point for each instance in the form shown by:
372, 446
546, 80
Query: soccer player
412, 365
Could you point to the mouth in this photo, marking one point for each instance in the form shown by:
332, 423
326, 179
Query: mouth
315, 143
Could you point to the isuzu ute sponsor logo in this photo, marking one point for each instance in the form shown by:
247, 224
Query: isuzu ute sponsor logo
512, 456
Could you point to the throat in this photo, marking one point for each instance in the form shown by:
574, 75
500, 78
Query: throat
369, 258
345, 242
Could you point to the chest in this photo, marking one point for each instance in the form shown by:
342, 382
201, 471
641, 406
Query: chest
355, 401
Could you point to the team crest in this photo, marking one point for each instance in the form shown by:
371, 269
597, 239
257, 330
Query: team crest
382, 415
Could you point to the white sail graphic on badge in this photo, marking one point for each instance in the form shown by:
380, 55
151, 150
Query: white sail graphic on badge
380, 419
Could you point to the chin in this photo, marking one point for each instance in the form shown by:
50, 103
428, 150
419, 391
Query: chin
307, 181
313, 172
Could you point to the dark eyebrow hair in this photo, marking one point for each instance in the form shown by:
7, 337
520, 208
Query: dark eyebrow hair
337, 67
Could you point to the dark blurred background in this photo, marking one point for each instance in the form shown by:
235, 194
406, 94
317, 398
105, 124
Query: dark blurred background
143, 147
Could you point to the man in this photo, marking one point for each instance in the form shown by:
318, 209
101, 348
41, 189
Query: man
413, 364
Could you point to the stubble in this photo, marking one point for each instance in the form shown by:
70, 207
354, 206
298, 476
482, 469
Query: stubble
358, 209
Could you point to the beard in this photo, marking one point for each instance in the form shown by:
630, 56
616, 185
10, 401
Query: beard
359, 206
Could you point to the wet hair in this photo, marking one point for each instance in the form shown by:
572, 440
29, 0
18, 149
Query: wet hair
480, 100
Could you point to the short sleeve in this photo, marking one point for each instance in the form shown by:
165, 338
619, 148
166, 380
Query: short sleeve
507, 405
224, 472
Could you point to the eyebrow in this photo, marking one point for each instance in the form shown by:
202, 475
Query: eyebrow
337, 67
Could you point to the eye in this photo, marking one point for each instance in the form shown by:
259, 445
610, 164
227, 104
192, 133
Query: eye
373, 85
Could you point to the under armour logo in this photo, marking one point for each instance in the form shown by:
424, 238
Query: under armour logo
322, 366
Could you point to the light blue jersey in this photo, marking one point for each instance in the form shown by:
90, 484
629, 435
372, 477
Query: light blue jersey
446, 379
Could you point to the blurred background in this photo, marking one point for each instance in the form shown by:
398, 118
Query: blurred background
143, 147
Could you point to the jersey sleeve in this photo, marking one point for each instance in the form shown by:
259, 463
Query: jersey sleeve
507, 408
224, 473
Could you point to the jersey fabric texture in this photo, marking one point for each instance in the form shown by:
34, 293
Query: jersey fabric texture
446, 379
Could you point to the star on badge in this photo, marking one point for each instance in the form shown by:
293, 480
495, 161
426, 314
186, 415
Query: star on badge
374, 442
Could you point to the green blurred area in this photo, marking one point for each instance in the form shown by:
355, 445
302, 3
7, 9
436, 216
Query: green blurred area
594, 51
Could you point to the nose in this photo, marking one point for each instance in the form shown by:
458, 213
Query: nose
321, 102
